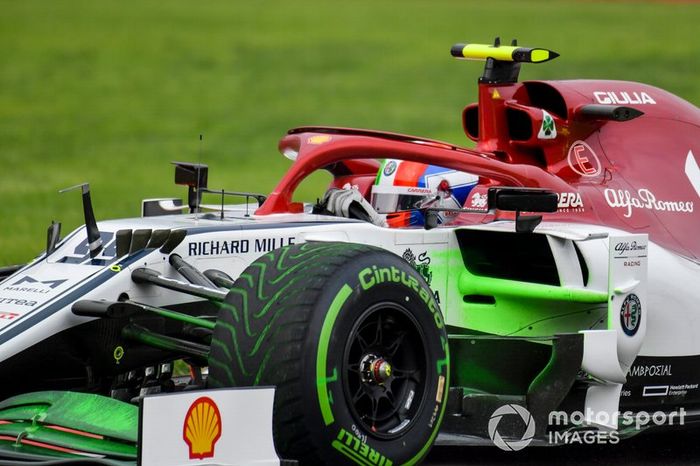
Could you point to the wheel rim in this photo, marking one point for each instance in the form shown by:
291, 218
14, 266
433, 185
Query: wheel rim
385, 370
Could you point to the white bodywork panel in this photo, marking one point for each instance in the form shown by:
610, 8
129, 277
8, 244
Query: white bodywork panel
225, 427
231, 244
608, 354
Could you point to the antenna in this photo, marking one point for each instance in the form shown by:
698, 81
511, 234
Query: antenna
199, 167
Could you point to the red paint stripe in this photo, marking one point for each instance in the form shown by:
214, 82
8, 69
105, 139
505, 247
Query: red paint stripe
47, 446
408, 173
398, 219
76, 432
61, 449
68, 430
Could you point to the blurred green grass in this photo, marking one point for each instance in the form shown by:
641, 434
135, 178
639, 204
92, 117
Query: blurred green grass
109, 92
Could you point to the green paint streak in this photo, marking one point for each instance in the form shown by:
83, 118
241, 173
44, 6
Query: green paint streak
379, 172
270, 303
280, 259
446, 360
231, 308
208, 324
42, 452
314, 254
58, 438
472, 284
82, 411
322, 354
234, 338
261, 336
244, 311
479, 376
247, 277
523, 308
334, 377
231, 382
280, 310
518, 305
273, 300
263, 268
263, 365
283, 276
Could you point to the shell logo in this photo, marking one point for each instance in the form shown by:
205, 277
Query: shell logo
202, 428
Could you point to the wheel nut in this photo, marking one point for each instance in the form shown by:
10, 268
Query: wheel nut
381, 371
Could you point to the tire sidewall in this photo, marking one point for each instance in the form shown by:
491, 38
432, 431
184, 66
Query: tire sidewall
329, 330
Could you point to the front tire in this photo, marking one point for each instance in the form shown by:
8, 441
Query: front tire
353, 340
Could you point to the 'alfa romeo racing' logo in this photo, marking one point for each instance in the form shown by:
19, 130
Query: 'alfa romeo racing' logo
631, 314
509, 410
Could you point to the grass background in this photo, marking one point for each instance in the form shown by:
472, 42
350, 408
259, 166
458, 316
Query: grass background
111, 91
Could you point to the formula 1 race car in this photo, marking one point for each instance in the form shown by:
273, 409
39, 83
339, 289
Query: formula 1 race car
531, 289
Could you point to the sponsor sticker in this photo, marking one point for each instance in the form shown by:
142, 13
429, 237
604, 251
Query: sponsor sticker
390, 168
653, 370
225, 427
623, 248
623, 98
421, 264
583, 160
8, 315
631, 252
202, 428
631, 314
644, 199
479, 201
419, 190
237, 246
548, 130
18, 302
29, 284
655, 390
682, 389
569, 202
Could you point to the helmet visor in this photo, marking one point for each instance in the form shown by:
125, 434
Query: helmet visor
388, 199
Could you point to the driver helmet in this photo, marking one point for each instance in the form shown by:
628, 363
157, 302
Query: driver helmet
402, 188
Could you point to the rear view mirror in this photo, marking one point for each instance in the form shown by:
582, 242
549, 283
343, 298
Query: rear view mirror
523, 200
507, 199
195, 177
191, 174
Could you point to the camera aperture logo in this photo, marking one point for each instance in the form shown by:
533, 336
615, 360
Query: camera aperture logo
573, 428
510, 444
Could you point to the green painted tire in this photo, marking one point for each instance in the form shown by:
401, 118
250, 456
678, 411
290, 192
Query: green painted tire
355, 343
